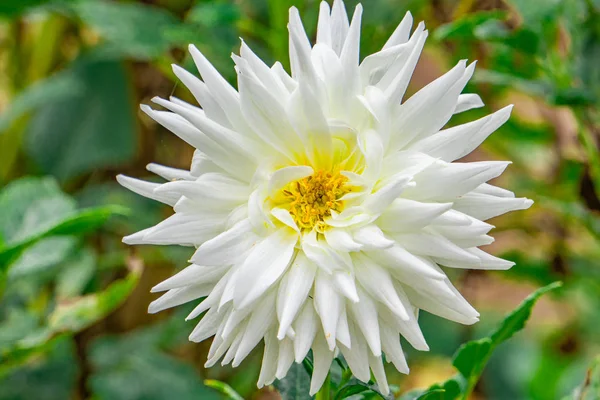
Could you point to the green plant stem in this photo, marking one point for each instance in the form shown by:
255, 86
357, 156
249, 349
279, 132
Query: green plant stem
223, 388
324, 392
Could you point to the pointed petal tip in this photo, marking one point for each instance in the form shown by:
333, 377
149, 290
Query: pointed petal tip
157, 288
121, 179
146, 109
134, 238
528, 203
153, 308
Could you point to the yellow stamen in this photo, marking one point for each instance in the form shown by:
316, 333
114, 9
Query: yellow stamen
311, 199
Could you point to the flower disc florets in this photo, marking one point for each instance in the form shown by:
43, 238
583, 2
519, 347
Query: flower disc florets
313, 198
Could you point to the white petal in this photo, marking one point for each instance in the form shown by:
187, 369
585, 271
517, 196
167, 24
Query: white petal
224, 94
343, 331
175, 297
357, 356
396, 79
192, 275
377, 202
305, 326
146, 189
225, 248
390, 343
169, 173
379, 285
266, 263
266, 115
227, 138
269, 362
324, 24
401, 33
267, 77
430, 108
365, 316
458, 141
328, 304
489, 261
307, 118
285, 358
483, 206
376, 364
339, 25
212, 185
322, 358
299, 280
429, 244
198, 88
323, 255
468, 101
283, 176
340, 239
345, 283
406, 215
371, 238
185, 229
262, 318
446, 182
285, 217
397, 258
207, 327
186, 131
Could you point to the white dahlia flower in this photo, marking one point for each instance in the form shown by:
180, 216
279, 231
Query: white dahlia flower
322, 205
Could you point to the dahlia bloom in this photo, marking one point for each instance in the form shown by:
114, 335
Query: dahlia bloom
323, 204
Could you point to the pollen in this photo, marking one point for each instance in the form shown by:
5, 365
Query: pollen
311, 199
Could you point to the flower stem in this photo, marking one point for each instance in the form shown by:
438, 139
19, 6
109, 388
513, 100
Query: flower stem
323, 393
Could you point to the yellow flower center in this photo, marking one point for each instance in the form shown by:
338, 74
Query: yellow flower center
311, 199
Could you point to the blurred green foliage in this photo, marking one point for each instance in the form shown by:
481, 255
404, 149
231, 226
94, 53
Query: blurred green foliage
73, 320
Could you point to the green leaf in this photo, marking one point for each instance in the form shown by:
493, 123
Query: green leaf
449, 390
214, 15
295, 385
354, 386
131, 29
74, 315
42, 256
466, 359
76, 273
76, 223
69, 316
434, 394
464, 28
12, 8
350, 390
537, 14
516, 320
51, 377
93, 128
29, 206
133, 367
471, 358
56, 88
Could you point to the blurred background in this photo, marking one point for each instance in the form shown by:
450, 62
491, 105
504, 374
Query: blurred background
73, 321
